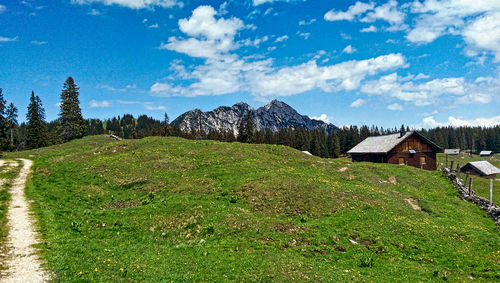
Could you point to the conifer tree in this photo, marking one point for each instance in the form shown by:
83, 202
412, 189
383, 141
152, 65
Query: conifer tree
246, 129
12, 122
4, 140
36, 129
73, 125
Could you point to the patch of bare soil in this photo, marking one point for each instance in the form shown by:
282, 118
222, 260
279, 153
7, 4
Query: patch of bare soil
343, 169
23, 264
413, 203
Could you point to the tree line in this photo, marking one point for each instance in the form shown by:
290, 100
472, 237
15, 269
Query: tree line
36, 132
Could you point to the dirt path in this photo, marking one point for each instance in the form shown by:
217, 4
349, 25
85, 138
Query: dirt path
23, 264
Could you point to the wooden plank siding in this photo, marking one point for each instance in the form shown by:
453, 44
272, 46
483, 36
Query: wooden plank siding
423, 150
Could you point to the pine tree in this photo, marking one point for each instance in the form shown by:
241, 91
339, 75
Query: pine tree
12, 123
246, 129
73, 125
36, 129
4, 140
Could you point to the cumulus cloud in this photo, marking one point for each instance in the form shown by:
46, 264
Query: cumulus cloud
353, 11
422, 93
94, 12
476, 21
259, 2
210, 37
2, 8
358, 103
223, 72
349, 49
323, 117
132, 4
395, 107
110, 88
282, 38
371, 28
430, 122
8, 39
99, 104
388, 12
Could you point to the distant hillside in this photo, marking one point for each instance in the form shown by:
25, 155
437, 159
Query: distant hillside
275, 115
169, 209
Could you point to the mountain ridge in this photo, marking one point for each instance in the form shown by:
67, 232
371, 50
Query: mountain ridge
275, 115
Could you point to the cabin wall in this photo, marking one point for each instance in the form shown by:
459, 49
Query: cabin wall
415, 159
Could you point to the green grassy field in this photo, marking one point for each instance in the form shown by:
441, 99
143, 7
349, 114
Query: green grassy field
169, 209
480, 185
7, 174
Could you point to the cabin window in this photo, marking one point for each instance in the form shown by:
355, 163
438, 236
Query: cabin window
422, 160
410, 145
401, 161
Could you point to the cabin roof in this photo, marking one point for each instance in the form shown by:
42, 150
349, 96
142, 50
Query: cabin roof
452, 151
483, 168
486, 152
384, 144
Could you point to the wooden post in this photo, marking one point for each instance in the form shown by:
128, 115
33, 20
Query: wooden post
446, 161
451, 166
470, 186
466, 179
491, 192
458, 171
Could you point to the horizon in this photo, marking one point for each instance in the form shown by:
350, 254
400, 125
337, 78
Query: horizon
383, 63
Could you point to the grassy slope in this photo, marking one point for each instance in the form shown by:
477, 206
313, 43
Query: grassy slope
172, 209
481, 185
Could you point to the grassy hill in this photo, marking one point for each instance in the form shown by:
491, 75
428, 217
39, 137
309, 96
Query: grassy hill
162, 209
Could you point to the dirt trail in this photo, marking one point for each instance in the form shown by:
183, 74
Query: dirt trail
23, 264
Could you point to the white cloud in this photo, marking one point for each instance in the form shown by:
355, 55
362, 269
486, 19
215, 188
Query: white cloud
224, 72
8, 39
2, 8
371, 28
477, 21
123, 89
358, 103
259, 2
349, 49
388, 12
323, 117
420, 94
37, 42
214, 36
94, 12
353, 11
153, 26
395, 107
306, 23
147, 105
305, 35
132, 4
430, 122
282, 38
99, 104
153, 107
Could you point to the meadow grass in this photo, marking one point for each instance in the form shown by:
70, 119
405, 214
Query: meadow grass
481, 186
170, 209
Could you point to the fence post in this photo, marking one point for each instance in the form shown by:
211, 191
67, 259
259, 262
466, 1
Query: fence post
446, 161
491, 192
451, 166
458, 171
470, 186
466, 179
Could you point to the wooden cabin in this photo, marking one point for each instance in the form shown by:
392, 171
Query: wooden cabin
404, 148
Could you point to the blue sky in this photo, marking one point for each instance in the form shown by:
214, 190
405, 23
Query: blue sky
422, 63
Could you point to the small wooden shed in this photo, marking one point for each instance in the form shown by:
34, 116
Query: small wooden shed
482, 169
486, 153
452, 151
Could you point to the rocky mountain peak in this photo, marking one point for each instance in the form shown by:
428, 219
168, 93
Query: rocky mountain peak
275, 116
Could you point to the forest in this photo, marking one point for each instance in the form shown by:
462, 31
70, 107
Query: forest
37, 132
